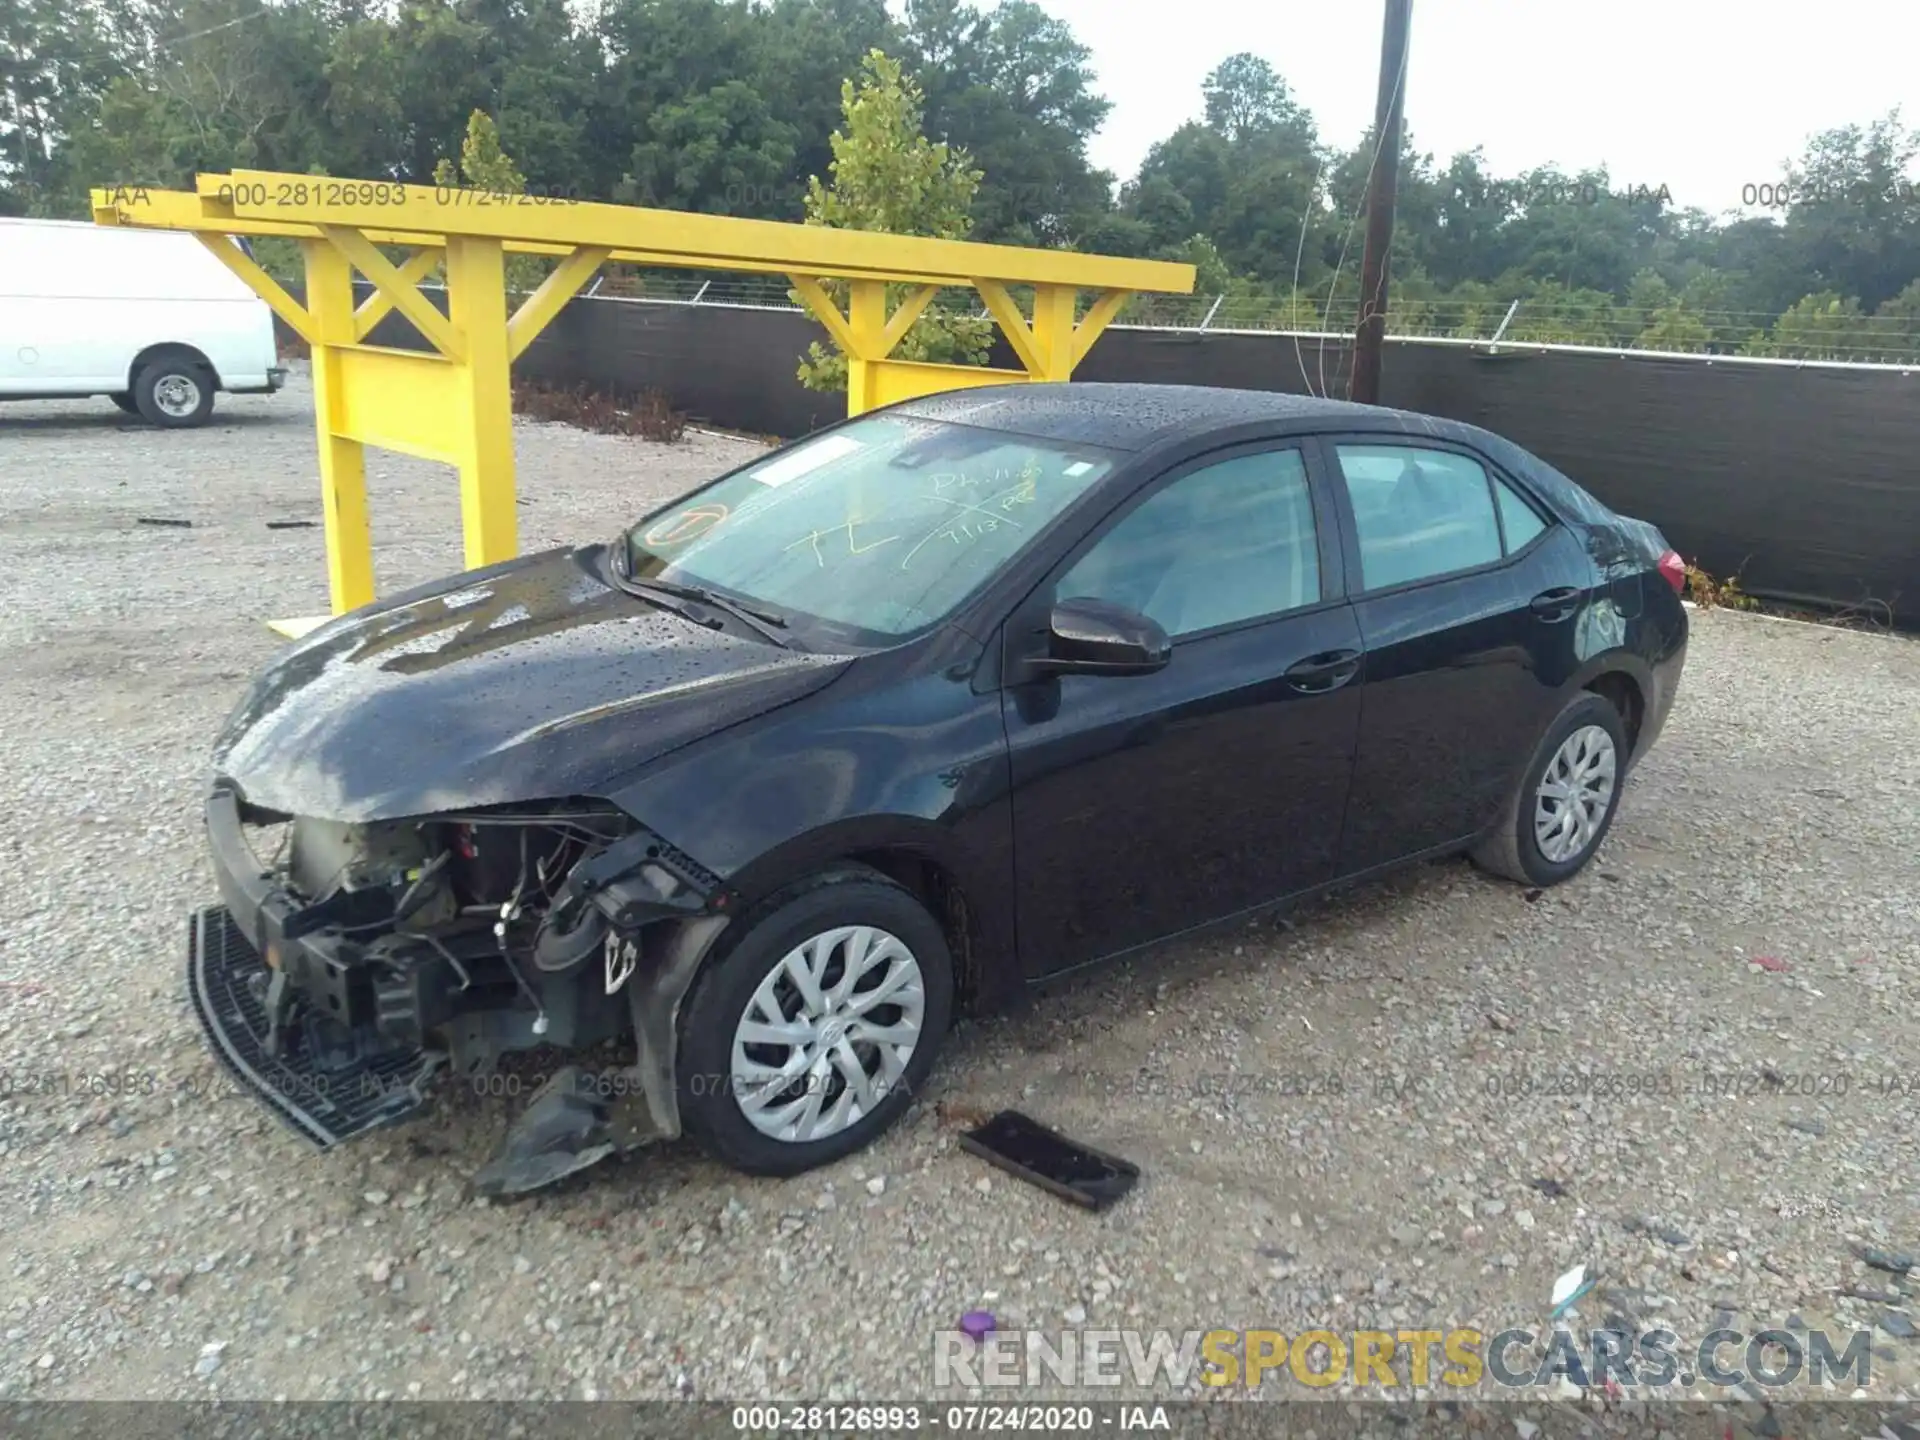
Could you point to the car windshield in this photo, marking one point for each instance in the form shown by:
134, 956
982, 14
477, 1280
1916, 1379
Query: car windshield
883, 525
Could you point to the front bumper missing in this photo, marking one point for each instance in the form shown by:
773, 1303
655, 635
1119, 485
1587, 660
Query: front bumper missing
351, 1051
324, 1099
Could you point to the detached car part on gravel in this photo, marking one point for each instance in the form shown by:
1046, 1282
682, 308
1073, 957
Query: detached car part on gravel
943, 702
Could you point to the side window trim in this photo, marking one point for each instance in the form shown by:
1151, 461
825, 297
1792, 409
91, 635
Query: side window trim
1329, 443
1499, 479
1499, 516
1331, 557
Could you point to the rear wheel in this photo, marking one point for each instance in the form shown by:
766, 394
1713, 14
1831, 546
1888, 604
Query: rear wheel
125, 401
174, 391
1566, 799
805, 1039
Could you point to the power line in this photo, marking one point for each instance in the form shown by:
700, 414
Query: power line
211, 29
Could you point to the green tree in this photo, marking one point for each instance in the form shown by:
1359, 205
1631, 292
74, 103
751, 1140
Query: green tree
1825, 326
801, 51
886, 175
1896, 326
1014, 88
1554, 314
1674, 327
1245, 97
223, 84
483, 165
721, 153
57, 62
1854, 220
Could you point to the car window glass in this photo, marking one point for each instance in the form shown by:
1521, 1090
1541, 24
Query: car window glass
882, 526
1418, 513
1516, 517
1226, 543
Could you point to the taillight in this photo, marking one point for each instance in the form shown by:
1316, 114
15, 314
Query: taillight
1675, 570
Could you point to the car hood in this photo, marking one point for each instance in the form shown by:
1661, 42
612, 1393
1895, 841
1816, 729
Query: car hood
535, 679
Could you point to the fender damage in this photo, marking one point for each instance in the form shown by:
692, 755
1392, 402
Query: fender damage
417, 874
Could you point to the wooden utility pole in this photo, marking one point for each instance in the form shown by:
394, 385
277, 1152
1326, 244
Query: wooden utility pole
1370, 335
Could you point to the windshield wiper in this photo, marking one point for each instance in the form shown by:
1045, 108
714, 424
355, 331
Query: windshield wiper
768, 623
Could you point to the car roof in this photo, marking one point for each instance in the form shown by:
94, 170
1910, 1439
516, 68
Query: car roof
1136, 417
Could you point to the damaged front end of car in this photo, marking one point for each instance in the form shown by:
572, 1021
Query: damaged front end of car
350, 964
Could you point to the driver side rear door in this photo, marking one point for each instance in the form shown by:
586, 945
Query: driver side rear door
1147, 805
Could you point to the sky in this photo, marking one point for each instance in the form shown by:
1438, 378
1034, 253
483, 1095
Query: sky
1702, 96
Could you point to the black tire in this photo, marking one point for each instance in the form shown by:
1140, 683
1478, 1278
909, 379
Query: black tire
125, 401
174, 392
1512, 848
710, 1110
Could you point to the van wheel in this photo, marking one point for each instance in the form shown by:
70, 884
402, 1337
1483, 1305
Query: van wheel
125, 402
173, 391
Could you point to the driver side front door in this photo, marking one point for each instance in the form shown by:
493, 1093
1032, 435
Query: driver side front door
1150, 804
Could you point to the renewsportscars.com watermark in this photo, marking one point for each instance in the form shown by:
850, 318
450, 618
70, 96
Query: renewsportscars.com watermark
1389, 1360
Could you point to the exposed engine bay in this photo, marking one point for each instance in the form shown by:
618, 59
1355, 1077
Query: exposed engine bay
351, 962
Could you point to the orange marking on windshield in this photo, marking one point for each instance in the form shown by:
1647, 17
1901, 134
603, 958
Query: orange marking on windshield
690, 525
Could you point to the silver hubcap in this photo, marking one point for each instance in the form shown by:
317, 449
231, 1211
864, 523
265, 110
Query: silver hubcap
828, 1034
176, 395
1574, 794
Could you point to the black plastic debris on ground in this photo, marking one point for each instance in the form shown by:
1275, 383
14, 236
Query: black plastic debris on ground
1893, 1264
1642, 1225
1023, 1147
162, 520
291, 524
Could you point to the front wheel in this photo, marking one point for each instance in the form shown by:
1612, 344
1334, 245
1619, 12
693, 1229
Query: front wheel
173, 392
806, 1037
1565, 801
124, 400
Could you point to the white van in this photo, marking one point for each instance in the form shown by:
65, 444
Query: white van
145, 317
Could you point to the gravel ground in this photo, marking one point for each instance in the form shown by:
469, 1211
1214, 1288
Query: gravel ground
1723, 1136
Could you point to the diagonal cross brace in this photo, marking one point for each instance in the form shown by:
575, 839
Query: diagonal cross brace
262, 284
838, 327
539, 308
397, 288
374, 309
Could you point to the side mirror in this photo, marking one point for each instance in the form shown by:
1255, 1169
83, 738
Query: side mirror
1097, 637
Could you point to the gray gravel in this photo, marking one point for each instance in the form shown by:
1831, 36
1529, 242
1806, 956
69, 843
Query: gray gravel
167, 1245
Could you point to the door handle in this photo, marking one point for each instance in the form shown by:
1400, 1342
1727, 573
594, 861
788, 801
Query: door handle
1554, 605
1328, 670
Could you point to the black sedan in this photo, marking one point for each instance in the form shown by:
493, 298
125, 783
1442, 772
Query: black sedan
938, 703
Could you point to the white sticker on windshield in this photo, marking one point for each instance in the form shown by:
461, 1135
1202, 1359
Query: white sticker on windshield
1079, 467
823, 451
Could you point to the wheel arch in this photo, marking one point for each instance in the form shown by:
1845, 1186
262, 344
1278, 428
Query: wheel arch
166, 349
1624, 680
919, 856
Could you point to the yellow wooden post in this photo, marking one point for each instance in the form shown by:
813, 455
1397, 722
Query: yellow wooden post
1053, 340
477, 306
343, 472
867, 324
454, 403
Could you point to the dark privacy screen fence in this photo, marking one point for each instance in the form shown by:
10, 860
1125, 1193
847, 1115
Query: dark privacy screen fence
1803, 480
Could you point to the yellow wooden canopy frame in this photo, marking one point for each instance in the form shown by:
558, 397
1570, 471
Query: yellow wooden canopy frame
453, 404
